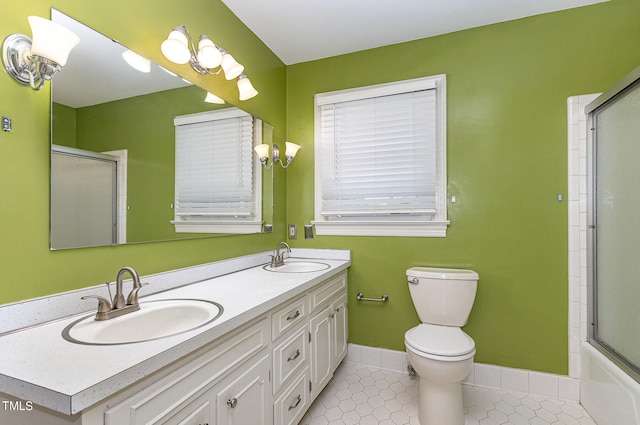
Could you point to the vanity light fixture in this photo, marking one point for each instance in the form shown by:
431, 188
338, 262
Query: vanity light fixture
206, 59
36, 61
263, 154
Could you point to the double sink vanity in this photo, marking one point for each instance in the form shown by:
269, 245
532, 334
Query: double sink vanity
232, 342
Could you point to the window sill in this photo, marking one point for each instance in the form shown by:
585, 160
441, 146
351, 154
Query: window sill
436, 229
218, 227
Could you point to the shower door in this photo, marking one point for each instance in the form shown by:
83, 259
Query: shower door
83, 198
614, 223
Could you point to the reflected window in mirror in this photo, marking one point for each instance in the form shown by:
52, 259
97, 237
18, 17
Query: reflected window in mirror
218, 187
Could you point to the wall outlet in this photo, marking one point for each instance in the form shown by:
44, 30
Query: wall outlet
293, 231
308, 231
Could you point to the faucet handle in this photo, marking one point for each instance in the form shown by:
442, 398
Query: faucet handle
104, 305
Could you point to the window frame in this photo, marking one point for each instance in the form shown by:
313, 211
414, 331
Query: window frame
434, 227
227, 225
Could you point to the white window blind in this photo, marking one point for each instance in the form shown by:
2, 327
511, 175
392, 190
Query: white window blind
380, 156
214, 168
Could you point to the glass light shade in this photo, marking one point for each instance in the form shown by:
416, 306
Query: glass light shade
246, 89
208, 54
291, 149
232, 69
176, 47
136, 61
212, 98
262, 151
51, 40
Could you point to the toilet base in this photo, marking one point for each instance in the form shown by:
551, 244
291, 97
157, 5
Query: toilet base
440, 404
440, 397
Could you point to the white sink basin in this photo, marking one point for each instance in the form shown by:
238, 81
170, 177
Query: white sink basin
155, 319
293, 266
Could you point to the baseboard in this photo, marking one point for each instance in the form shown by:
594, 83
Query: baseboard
560, 387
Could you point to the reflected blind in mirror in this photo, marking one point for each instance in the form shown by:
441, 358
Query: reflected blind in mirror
214, 167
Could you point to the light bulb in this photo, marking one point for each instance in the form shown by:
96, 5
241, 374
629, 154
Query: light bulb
232, 68
176, 47
208, 54
291, 149
246, 89
51, 40
212, 98
262, 151
136, 61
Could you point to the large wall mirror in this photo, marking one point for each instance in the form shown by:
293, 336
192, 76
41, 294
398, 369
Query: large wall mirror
114, 149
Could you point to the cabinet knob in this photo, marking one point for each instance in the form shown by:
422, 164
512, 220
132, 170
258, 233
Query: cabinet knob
337, 309
296, 402
232, 402
294, 356
294, 315
331, 315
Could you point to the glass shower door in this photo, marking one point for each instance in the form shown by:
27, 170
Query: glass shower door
615, 227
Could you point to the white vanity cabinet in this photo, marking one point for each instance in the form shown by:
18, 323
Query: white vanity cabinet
328, 326
265, 370
227, 384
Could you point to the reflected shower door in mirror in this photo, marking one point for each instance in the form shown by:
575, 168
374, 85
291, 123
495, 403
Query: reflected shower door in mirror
100, 104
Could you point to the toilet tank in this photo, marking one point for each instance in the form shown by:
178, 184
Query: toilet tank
442, 296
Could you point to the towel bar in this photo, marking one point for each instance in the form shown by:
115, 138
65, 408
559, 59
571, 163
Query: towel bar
383, 299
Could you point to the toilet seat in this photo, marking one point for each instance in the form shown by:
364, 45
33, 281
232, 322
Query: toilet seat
446, 343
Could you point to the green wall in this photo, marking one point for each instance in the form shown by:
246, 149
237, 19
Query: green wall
507, 87
27, 267
507, 161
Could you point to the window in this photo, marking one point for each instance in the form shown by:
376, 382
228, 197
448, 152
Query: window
380, 160
218, 184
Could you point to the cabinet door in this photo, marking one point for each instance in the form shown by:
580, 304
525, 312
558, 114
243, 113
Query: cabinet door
244, 398
321, 349
340, 330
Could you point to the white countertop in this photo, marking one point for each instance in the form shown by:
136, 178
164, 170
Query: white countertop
38, 365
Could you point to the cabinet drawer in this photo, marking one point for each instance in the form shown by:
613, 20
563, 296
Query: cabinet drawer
291, 406
290, 356
327, 291
287, 317
158, 400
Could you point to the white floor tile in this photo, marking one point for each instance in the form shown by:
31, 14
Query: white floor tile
369, 396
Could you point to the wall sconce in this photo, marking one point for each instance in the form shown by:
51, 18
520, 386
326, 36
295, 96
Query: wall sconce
263, 154
35, 62
207, 59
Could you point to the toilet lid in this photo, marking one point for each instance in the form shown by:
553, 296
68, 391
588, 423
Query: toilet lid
439, 340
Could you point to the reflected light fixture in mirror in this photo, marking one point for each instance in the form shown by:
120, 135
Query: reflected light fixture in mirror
35, 62
263, 153
206, 59
212, 98
136, 61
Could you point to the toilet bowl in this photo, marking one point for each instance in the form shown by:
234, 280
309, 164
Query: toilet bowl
442, 357
438, 350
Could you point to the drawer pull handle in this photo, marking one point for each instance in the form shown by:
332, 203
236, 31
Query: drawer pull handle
294, 356
295, 403
232, 402
294, 316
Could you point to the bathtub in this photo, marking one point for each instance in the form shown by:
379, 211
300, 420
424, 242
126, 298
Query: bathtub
609, 395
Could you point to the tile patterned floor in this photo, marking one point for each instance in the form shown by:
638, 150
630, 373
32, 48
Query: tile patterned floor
366, 396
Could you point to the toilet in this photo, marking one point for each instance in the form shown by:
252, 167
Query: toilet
437, 349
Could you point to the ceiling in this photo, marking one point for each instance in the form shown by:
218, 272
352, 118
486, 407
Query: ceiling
304, 30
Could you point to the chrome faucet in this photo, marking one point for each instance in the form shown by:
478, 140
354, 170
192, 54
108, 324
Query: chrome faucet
110, 309
277, 259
